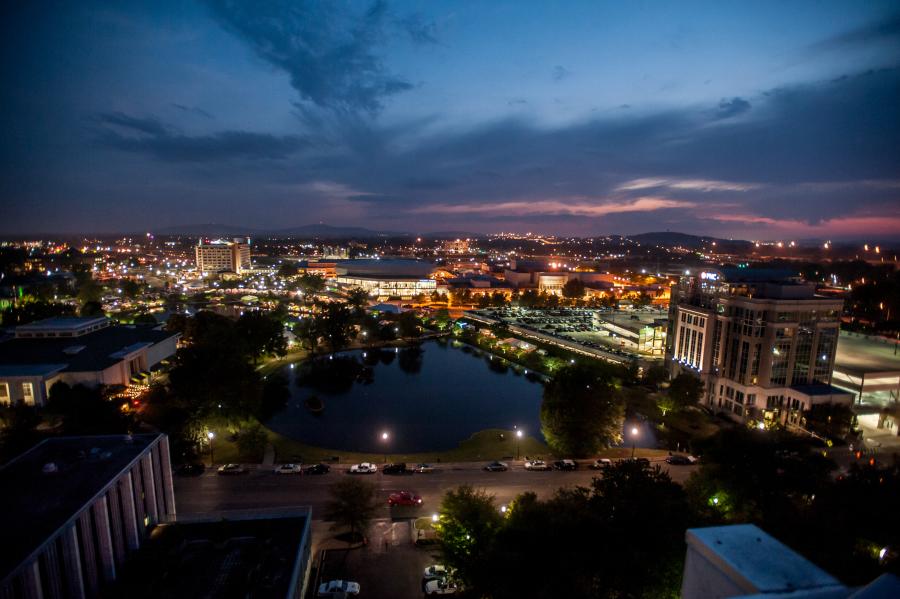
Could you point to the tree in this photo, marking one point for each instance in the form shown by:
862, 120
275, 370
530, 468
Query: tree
91, 308
145, 318
334, 323
833, 421
466, 528
573, 289
261, 334
84, 411
354, 503
27, 311
358, 298
656, 374
408, 323
685, 390
251, 442
288, 269
311, 284
581, 411
621, 538
442, 319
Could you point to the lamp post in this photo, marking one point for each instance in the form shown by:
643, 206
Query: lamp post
634, 434
385, 436
210, 436
518, 437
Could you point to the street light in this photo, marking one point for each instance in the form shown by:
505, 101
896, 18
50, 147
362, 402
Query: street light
634, 434
385, 436
211, 435
518, 437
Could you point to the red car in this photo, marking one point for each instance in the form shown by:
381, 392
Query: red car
404, 498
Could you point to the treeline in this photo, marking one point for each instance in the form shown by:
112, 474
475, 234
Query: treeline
624, 535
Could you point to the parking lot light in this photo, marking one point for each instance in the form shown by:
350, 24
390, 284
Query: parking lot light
434, 517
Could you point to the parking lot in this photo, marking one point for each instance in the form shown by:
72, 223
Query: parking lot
595, 328
389, 567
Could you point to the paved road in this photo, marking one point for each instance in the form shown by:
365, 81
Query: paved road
262, 488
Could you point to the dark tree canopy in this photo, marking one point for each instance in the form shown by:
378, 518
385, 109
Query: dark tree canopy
581, 411
354, 503
686, 390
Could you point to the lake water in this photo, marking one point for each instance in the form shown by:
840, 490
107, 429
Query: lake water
426, 402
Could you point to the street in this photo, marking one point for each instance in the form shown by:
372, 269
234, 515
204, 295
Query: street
261, 488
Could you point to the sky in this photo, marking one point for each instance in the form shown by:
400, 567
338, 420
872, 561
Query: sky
753, 120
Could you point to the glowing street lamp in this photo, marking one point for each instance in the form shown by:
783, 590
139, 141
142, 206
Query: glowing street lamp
211, 435
519, 435
634, 434
385, 437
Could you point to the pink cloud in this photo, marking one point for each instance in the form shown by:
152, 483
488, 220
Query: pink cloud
576, 206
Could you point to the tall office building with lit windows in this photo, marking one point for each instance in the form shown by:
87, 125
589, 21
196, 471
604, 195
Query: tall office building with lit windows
762, 342
223, 256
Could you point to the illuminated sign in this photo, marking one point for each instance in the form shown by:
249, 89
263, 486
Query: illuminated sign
709, 276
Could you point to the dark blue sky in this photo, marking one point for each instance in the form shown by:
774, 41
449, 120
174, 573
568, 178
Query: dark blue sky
757, 120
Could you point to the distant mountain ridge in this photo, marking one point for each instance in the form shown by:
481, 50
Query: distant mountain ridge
320, 231
670, 238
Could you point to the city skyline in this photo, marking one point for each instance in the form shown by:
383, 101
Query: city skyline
763, 122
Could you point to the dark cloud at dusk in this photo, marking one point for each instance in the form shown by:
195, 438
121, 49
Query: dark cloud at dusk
268, 115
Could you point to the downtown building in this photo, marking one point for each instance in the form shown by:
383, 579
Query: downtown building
74, 508
94, 516
223, 256
762, 342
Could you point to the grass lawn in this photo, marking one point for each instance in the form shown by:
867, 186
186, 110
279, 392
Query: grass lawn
485, 445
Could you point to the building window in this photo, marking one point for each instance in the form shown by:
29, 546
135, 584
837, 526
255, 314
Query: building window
4, 393
28, 393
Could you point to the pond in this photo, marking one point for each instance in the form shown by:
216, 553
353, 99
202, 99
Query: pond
428, 398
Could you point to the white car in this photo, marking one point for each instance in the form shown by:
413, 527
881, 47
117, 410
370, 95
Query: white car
338, 588
289, 469
364, 468
435, 571
424, 468
601, 464
536, 465
441, 586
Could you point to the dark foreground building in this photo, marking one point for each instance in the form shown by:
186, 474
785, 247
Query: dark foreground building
72, 509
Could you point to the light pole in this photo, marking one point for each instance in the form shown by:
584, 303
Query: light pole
385, 436
634, 434
518, 437
211, 435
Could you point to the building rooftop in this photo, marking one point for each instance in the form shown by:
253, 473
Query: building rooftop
863, 353
34, 504
73, 325
814, 390
243, 554
94, 351
388, 268
758, 560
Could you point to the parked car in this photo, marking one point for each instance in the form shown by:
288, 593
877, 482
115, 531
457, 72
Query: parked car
396, 469
601, 464
289, 469
497, 467
364, 468
641, 461
317, 469
536, 465
441, 586
424, 468
404, 498
681, 460
338, 588
232, 469
190, 469
565, 465
436, 571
